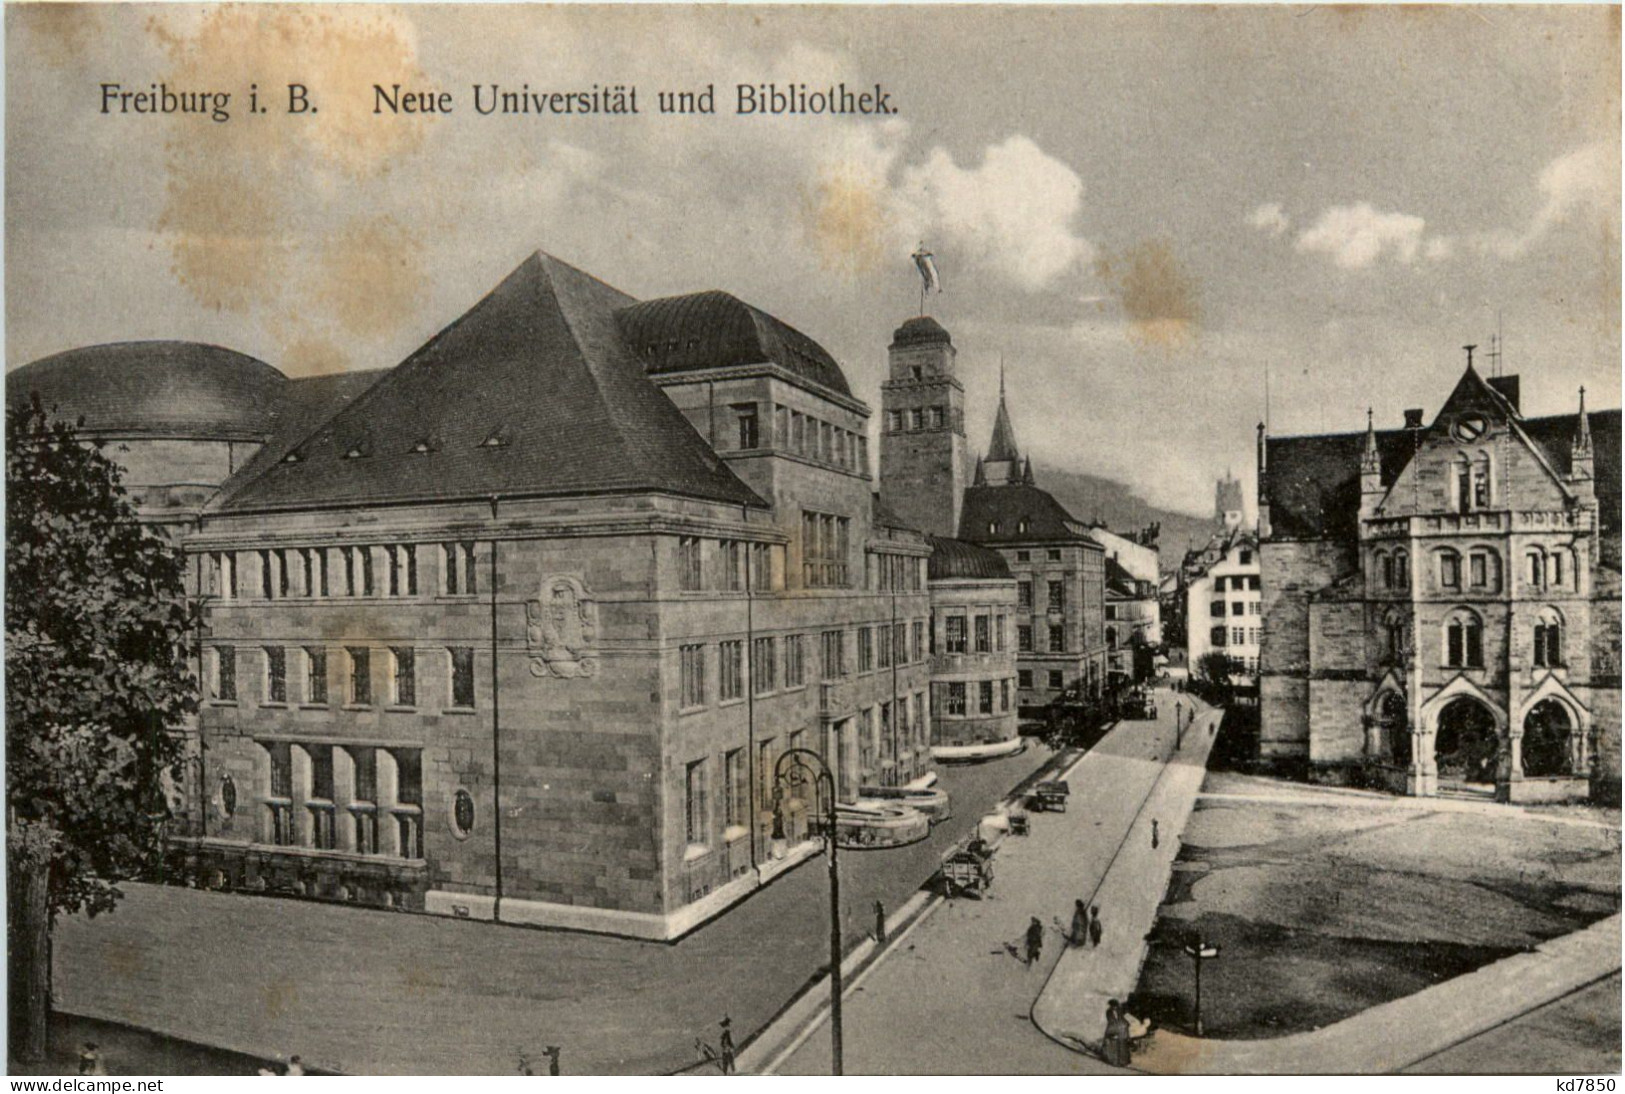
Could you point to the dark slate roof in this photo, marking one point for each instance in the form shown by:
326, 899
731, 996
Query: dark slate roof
920, 330
531, 392
1312, 483
1007, 506
185, 389
882, 515
954, 558
1003, 444
715, 329
1119, 582
306, 403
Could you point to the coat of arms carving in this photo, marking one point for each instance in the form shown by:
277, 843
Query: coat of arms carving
561, 628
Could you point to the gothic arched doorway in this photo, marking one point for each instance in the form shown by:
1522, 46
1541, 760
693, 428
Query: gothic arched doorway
1548, 734
1396, 731
1466, 743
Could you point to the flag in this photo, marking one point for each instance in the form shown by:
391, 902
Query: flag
928, 269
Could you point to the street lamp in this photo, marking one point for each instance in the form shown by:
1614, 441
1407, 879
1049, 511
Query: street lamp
798, 769
1179, 725
1199, 953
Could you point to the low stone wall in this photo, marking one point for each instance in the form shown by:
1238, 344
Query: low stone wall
1557, 788
311, 875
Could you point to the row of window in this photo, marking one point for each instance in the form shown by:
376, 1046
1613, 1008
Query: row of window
1237, 582
361, 799
957, 696
877, 647
1057, 639
985, 634
726, 564
1542, 569
1237, 607
1056, 679
380, 570
1463, 639
825, 540
803, 435
1234, 636
309, 682
917, 418
1055, 600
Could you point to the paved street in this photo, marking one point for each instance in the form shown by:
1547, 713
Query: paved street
951, 998
366, 991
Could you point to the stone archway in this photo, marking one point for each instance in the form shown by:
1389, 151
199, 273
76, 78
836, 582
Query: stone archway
1548, 740
1392, 720
1466, 741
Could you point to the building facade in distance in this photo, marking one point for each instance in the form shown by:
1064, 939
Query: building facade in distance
973, 653
1441, 601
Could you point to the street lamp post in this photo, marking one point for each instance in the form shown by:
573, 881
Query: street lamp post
797, 769
1199, 953
1179, 725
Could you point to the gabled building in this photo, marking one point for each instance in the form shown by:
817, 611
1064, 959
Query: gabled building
1441, 600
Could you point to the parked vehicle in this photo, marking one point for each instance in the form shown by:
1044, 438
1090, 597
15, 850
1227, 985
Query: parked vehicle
1049, 797
968, 870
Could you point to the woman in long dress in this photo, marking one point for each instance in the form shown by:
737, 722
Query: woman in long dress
1114, 1047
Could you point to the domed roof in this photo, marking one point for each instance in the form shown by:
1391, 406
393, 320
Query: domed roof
921, 329
171, 388
954, 558
713, 329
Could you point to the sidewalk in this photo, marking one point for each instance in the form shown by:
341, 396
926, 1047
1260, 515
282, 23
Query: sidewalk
1395, 1035
1071, 1009
952, 997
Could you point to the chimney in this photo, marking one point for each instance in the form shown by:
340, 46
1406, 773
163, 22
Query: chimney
1413, 418
1508, 388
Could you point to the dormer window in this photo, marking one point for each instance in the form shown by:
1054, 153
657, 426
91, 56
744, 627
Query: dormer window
1021, 525
992, 527
291, 457
497, 439
355, 452
426, 445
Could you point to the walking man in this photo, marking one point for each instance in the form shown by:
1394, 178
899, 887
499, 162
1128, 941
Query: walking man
1079, 934
1094, 926
725, 1046
1153, 833
1035, 940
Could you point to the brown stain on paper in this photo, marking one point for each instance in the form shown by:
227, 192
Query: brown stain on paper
371, 275
1159, 297
845, 217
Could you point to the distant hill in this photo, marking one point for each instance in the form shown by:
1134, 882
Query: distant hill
1091, 498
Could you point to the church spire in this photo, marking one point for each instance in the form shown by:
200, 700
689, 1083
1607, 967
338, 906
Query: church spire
1003, 445
981, 472
1582, 432
1370, 459
1027, 473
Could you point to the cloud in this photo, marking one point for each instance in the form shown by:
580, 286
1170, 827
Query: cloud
1584, 181
1357, 235
1016, 211
1271, 218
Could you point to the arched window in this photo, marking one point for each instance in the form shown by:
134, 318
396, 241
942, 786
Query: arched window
1535, 569
1449, 569
1557, 569
1461, 475
1481, 481
1463, 640
1548, 639
1383, 565
1484, 569
1402, 569
1394, 630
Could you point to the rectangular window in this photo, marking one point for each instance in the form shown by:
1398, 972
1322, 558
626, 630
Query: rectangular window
1236, 607
748, 435
222, 575
351, 583
1057, 638
1478, 570
448, 567
1054, 554
307, 558
894, 421
883, 646
781, 427
1024, 556
360, 676
986, 697
1024, 594
899, 642
824, 549
404, 689
1216, 636
1216, 609
795, 664
315, 675
694, 784
834, 655
1056, 680
368, 587
916, 421
731, 670
1024, 678
956, 698
276, 674
763, 665
1024, 638
954, 634
936, 417
866, 652
982, 627
1057, 596
692, 660
730, 565
267, 579
761, 567
798, 432
1450, 570
919, 640
225, 674
690, 569
278, 805
1219, 584
1004, 694
462, 677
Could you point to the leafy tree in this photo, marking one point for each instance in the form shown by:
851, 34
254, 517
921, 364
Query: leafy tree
1215, 667
97, 627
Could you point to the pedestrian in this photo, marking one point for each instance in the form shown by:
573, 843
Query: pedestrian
552, 1054
1114, 1045
725, 1046
1035, 940
1079, 934
1153, 833
296, 1066
1094, 926
880, 923
90, 1059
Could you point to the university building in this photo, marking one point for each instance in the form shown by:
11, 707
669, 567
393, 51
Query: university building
1441, 601
518, 628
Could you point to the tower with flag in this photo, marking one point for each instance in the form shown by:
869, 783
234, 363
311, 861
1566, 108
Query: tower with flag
930, 282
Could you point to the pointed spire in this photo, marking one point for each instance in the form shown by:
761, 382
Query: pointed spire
981, 472
1027, 473
1003, 445
1370, 460
1582, 434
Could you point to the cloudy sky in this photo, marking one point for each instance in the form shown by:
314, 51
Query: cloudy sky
1142, 212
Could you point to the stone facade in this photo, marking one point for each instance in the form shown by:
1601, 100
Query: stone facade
974, 697
1441, 602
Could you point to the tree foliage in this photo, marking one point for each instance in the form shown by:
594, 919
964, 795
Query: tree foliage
97, 629
1215, 667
